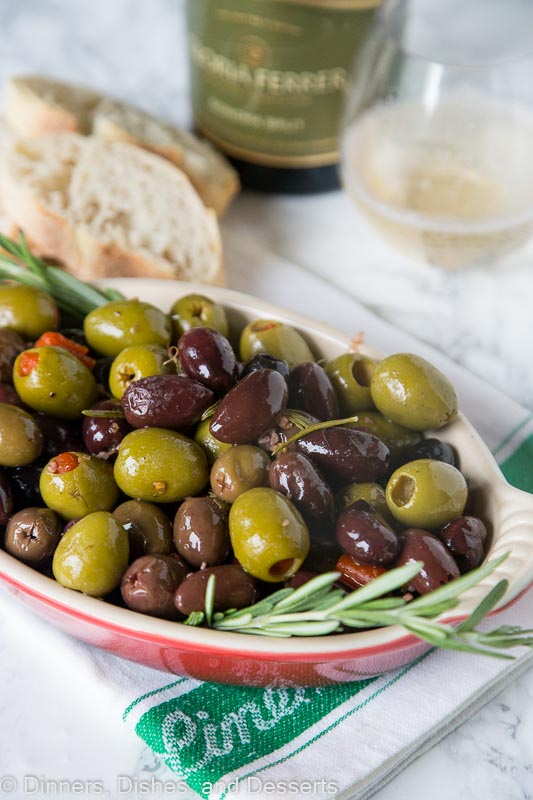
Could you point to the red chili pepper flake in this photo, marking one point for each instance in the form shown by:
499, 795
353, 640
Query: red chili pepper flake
27, 362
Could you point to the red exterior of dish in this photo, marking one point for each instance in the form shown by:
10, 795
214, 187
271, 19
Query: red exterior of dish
217, 664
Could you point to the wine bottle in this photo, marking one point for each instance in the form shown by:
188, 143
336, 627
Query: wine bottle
268, 81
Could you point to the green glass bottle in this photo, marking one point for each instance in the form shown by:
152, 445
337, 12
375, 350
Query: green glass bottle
268, 81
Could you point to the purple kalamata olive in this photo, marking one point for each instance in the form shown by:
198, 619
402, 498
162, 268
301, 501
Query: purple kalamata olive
25, 485
266, 361
311, 390
431, 448
207, 356
250, 408
9, 395
345, 454
60, 436
439, 565
201, 532
466, 538
6, 499
234, 588
166, 401
299, 578
295, 476
11, 345
150, 583
365, 536
103, 436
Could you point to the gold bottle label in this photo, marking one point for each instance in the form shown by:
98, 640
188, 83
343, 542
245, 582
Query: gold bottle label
268, 77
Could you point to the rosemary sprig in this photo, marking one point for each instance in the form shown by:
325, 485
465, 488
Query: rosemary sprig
72, 296
319, 607
318, 426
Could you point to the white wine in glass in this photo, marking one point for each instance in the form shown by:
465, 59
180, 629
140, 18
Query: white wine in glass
437, 160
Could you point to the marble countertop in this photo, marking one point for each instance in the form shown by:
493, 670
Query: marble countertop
481, 318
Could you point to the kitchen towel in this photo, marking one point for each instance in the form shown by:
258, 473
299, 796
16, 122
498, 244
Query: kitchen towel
344, 741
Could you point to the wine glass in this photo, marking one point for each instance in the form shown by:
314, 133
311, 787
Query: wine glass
437, 144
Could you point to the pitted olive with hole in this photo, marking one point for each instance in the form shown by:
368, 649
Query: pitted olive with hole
426, 494
32, 536
250, 408
397, 438
21, 438
11, 344
161, 466
201, 533
150, 584
76, 484
126, 323
412, 392
236, 471
371, 493
268, 534
310, 390
350, 374
28, 311
276, 339
92, 556
439, 564
136, 362
52, 380
212, 447
195, 310
148, 527
233, 589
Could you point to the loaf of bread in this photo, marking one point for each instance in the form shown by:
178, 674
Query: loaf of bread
109, 208
36, 106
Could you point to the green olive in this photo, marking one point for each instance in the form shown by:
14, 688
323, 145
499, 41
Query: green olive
160, 465
412, 392
138, 361
426, 494
92, 556
350, 374
21, 439
124, 323
239, 469
371, 493
212, 447
148, 527
52, 380
28, 311
268, 534
396, 437
76, 484
276, 339
195, 310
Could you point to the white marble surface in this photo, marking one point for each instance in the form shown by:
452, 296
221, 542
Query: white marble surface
481, 318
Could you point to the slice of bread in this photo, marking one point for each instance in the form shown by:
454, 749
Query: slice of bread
210, 173
108, 209
36, 106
